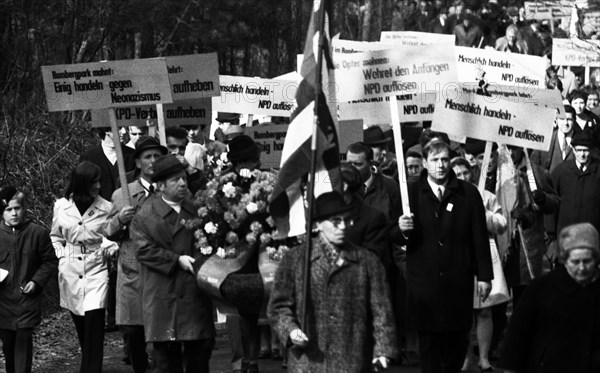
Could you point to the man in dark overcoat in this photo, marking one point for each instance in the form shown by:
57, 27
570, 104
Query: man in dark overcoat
178, 318
350, 325
447, 244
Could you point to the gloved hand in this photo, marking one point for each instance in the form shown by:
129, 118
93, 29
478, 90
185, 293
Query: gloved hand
380, 363
524, 216
539, 197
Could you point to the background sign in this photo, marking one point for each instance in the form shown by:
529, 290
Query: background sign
108, 84
194, 76
575, 52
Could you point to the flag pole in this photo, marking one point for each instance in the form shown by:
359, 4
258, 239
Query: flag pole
313, 166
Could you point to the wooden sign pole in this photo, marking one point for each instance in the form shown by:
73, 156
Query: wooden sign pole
399, 155
120, 160
162, 136
487, 155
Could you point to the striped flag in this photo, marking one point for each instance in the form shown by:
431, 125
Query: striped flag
287, 202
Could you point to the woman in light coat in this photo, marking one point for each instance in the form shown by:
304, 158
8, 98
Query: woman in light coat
82, 272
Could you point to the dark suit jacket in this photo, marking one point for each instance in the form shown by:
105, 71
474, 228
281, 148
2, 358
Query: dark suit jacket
370, 230
550, 159
384, 195
448, 246
109, 173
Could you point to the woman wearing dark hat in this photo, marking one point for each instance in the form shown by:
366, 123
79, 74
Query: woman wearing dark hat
350, 325
556, 325
27, 262
82, 268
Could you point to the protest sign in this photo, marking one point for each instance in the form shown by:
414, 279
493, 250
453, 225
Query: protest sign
271, 137
540, 10
194, 76
505, 122
398, 71
256, 96
176, 114
500, 69
101, 85
575, 52
415, 38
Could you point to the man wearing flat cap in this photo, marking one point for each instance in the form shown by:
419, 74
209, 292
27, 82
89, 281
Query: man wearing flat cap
385, 160
555, 328
178, 318
116, 228
350, 322
577, 183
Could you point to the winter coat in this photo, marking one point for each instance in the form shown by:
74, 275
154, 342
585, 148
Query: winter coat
555, 327
350, 315
129, 292
26, 253
370, 230
447, 247
384, 195
579, 194
174, 309
81, 250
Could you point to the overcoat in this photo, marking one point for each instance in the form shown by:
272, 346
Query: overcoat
447, 247
81, 251
579, 194
384, 195
555, 327
26, 253
174, 309
129, 298
370, 230
350, 315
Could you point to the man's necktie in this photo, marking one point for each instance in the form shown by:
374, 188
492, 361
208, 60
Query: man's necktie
151, 189
440, 194
564, 147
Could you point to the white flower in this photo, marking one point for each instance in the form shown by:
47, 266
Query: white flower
244, 172
229, 190
224, 157
206, 250
252, 208
211, 228
221, 252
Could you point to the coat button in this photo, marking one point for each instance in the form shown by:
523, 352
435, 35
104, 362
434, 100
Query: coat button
80, 276
80, 223
80, 258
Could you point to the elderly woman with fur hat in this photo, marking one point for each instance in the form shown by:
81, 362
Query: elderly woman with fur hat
350, 321
556, 325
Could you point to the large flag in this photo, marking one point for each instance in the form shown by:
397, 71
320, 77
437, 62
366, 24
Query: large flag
287, 203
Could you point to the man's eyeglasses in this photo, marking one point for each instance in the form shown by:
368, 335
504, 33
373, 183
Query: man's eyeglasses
338, 220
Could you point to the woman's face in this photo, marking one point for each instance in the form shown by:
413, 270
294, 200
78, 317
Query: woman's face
95, 188
13, 214
462, 173
581, 265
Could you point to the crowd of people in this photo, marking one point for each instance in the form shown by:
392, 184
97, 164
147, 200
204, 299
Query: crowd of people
387, 285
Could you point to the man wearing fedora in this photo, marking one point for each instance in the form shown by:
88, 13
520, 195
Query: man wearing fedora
177, 316
225, 120
116, 228
385, 160
350, 322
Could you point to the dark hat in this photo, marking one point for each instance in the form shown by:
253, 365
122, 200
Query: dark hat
242, 148
374, 136
166, 166
6, 194
330, 204
583, 138
148, 142
351, 176
227, 117
476, 147
578, 236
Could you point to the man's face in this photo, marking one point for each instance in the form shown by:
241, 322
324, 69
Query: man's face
516, 154
176, 146
13, 214
582, 154
462, 173
174, 188
135, 133
145, 162
192, 131
360, 162
378, 153
566, 125
438, 166
579, 105
334, 229
414, 166
122, 134
581, 265
592, 101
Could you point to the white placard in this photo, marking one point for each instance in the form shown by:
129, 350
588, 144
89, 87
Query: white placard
194, 76
101, 85
505, 122
575, 52
399, 71
415, 38
246, 95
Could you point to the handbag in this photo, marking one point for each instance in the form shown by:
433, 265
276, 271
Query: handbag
499, 293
